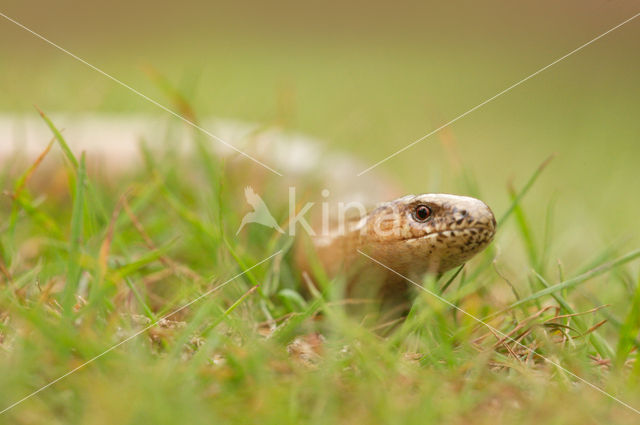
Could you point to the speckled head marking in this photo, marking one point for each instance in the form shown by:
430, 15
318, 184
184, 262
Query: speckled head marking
411, 235
428, 232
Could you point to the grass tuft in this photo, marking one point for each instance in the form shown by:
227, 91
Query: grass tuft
86, 272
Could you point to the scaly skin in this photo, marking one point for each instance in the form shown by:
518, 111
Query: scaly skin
457, 228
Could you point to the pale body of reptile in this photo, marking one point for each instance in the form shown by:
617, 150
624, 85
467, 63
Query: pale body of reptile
394, 234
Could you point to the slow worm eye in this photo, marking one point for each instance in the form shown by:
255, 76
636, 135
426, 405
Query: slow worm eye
421, 213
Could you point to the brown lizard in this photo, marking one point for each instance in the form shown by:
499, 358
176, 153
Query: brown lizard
410, 236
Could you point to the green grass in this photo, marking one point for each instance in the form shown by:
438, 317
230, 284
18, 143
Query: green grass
91, 262
88, 259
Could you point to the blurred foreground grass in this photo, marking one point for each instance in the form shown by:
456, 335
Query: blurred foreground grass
88, 262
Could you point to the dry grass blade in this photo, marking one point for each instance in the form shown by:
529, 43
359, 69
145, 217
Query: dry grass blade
5, 272
168, 262
518, 197
502, 341
24, 179
583, 313
523, 323
177, 99
594, 327
21, 183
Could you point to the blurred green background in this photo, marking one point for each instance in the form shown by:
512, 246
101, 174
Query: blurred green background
371, 77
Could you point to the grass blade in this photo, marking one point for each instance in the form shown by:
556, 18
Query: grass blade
629, 329
599, 343
579, 279
63, 143
73, 266
524, 190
